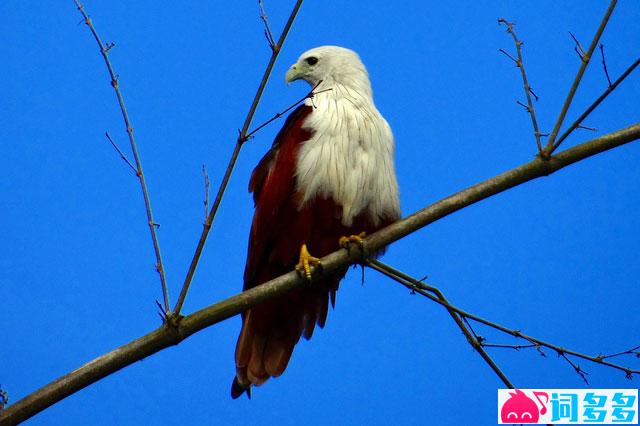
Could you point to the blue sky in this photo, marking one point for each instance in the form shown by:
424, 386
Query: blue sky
556, 258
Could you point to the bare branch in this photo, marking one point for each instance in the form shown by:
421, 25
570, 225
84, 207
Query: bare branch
309, 95
479, 338
526, 107
207, 184
549, 148
591, 129
124, 157
527, 88
594, 105
508, 55
104, 50
515, 347
604, 64
474, 340
633, 351
242, 138
425, 290
578, 48
267, 30
583, 374
161, 312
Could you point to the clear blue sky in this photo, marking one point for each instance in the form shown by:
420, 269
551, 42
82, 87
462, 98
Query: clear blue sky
557, 257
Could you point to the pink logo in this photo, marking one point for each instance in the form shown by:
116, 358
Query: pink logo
519, 408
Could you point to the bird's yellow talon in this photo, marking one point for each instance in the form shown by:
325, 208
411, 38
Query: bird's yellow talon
306, 261
345, 242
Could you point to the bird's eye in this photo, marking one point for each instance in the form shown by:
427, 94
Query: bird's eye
311, 60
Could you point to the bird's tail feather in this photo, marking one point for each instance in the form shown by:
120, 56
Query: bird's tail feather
270, 332
261, 354
237, 389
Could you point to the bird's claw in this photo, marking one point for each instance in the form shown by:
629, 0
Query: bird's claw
345, 242
306, 262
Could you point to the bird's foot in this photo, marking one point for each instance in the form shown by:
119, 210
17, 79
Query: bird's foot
346, 242
306, 262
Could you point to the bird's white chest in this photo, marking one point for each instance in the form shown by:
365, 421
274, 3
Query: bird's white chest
349, 158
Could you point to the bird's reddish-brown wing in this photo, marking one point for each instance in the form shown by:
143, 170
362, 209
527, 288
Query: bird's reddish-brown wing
271, 330
273, 186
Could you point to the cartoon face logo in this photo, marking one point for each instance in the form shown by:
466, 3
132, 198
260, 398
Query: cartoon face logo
519, 408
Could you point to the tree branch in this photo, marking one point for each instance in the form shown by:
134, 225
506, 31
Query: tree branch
549, 149
527, 88
207, 184
267, 30
277, 115
612, 86
167, 336
604, 64
425, 290
474, 340
124, 157
104, 50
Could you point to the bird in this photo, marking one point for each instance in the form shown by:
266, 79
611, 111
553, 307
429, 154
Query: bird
329, 173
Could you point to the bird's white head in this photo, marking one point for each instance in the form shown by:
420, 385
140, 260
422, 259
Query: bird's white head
331, 65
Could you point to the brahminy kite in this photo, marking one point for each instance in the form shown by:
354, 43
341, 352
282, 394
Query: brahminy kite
330, 173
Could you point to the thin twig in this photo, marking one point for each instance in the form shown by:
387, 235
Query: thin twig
267, 30
161, 313
583, 374
425, 290
504, 346
604, 64
470, 327
508, 55
632, 351
591, 129
527, 88
309, 95
578, 48
104, 50
516, 347
595, 104
549, 148
207, 184
124, 157
242, 138
165, 337
419, 287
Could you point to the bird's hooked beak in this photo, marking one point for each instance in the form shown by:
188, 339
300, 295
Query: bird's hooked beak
294, 73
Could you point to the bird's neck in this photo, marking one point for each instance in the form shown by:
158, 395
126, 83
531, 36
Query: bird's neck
355, 90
